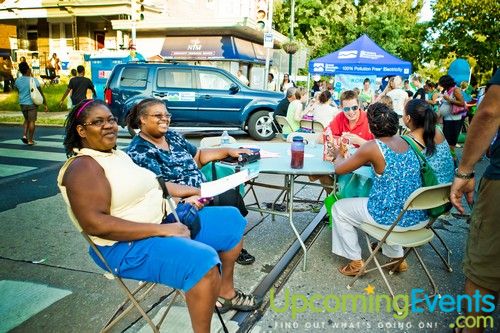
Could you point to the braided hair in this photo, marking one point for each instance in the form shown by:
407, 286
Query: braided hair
382, 120
76, 117
134, 117
423, 116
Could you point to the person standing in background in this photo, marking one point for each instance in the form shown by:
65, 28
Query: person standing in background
271, 83
78, 87
242, 78
28, 108
399, 98
481, 264
35, 65
366, 94
286, 83
417, 82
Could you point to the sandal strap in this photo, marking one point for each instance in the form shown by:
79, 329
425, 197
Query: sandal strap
241, 299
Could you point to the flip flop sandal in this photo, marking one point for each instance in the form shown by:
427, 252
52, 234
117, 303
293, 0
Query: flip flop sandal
24, 140
240, 302
31, 143
350, 269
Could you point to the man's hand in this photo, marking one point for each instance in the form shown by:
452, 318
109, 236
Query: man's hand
458, 189
176, 229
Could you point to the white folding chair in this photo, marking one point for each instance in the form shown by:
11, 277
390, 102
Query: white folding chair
134, 297
283, 122
213, 141
314, 126
421, 199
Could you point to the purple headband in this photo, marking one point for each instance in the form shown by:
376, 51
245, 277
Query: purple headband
83, 107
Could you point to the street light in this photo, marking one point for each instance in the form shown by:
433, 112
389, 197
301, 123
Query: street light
292, 20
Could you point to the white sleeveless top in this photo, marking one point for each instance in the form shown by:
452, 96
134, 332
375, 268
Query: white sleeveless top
135, 193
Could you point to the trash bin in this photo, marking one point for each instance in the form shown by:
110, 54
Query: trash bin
101, 66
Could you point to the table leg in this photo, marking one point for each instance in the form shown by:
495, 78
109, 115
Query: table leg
290, 179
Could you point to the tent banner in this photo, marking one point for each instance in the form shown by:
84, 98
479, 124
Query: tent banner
349, 82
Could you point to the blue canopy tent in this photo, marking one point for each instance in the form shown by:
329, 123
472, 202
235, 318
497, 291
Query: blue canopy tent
361, 57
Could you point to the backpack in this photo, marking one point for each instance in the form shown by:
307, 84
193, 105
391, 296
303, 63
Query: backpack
36, 96
428, 178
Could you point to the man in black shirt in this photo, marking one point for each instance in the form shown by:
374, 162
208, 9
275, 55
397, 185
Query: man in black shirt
282, 107
78, 86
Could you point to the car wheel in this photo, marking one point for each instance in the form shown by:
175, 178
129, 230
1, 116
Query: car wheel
260, 126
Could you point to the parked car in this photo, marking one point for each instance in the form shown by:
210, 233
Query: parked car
199, 98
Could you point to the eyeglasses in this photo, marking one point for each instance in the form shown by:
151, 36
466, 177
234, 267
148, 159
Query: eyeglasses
160, 116
101, 122
350, 108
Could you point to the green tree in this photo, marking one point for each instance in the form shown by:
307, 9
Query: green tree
467, 27
327, 25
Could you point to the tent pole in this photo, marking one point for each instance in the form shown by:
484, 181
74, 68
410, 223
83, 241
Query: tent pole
309, 83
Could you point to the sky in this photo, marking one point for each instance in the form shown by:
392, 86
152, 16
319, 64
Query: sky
426, 13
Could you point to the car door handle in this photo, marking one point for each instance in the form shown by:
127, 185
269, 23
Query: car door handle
206, 96
160, 94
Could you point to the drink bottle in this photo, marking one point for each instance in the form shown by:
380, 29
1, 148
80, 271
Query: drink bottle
297, 161
224, 139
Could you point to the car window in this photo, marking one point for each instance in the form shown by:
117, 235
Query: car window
135, 77
214, 80
174, 78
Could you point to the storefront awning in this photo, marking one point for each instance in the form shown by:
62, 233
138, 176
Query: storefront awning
212, 48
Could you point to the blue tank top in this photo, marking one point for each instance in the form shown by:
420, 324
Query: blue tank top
391, 189
442, 163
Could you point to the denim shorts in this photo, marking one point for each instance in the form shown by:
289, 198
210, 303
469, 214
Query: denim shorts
175, 261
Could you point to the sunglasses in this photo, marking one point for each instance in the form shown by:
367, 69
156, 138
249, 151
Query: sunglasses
350, 108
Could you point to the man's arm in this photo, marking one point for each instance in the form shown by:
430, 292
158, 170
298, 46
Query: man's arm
481, 131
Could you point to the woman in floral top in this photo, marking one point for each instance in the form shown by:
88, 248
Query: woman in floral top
169, 155
397, 171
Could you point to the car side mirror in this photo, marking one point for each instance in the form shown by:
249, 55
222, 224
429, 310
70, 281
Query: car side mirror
233, 88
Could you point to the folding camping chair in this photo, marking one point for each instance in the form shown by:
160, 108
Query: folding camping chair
314, 126
133, 297
283, 122
50, 77
422, 198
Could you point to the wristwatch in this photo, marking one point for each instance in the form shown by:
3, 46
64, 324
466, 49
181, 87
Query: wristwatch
465, 176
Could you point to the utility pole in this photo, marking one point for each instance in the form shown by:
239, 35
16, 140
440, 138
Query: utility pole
269, 29
292, 22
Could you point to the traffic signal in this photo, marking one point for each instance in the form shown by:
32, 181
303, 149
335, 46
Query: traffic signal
261, 15
138, 10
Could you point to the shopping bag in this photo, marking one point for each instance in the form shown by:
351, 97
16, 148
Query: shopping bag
329, 202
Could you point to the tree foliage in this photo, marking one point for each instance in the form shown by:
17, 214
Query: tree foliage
469, 28
327, 25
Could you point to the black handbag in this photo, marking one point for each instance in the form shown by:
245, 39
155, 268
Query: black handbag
184, 213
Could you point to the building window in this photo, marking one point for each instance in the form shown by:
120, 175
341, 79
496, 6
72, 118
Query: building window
55, 30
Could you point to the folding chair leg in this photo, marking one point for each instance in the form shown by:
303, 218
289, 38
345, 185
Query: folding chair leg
370, 258
448, 250
429, 276
445, 262
134, 303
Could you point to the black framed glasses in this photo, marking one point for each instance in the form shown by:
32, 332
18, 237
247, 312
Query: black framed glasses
101, 122
350, 108
160, 116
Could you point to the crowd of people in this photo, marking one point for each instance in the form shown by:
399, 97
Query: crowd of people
431, 115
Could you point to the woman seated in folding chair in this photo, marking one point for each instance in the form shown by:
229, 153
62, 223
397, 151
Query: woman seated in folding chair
120, 205
397, 171
421, 120
168, 154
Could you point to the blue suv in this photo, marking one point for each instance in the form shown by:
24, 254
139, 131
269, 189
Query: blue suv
199, 98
